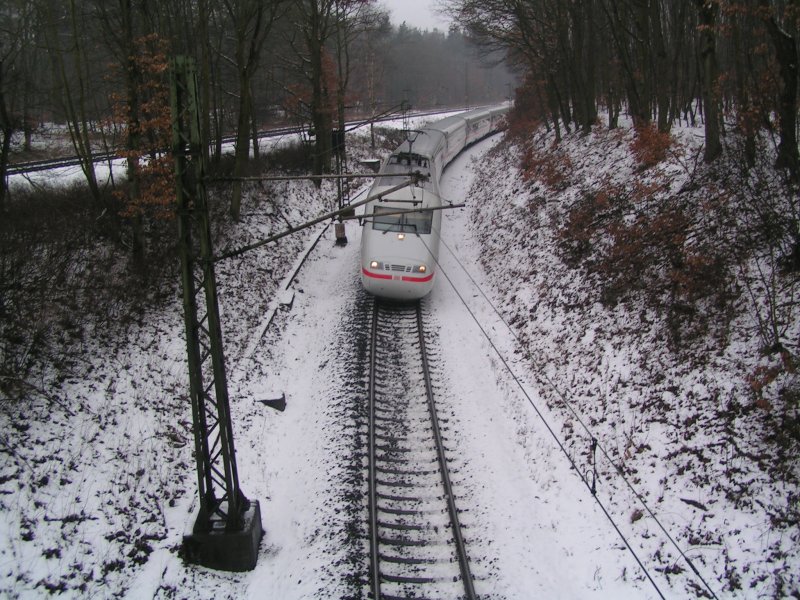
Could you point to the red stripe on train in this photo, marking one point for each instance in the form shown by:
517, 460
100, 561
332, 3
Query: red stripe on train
418, 279
404, 278
375, 275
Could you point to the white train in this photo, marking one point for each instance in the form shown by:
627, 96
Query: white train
400, 241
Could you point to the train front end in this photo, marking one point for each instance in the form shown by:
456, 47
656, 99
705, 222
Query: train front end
400, 245
397, 263
400, 239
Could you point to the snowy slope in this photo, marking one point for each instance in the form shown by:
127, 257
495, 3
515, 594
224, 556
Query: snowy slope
677, 420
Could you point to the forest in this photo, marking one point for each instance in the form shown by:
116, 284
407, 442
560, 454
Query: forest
734, 63
726, 68
99, 68
97, 71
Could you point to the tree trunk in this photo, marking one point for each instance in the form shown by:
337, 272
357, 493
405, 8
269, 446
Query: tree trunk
619, 26
581, 67
590, 67
4, 152
242, 152
203, 45
82, 125
132, 85
254, 129
251, 29
321, 115
7, 128
76, 115
786, 54
553, 102
708, 10
613, 109
661, 67
216, 112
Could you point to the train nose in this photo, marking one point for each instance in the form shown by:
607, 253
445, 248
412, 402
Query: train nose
393, 267
398, 281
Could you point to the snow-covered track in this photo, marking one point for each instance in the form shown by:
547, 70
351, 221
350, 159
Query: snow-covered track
417, 550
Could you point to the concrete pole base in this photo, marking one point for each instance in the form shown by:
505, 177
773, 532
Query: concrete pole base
225, 550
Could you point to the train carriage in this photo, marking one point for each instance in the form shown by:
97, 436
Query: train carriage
400, 241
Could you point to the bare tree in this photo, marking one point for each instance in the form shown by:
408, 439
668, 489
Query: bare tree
251, 21
530, 33
353, 17
73, 78
786, 54
313, 23
708, 11
10, 74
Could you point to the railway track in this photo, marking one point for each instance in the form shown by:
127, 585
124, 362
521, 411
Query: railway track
23, 168
100, 157
417, 549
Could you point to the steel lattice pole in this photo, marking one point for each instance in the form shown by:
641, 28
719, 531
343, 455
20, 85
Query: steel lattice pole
223, 507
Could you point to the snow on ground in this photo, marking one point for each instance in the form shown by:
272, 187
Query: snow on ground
531, 525
98, 481
115, 169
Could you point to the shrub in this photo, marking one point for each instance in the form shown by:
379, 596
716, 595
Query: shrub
528, 112
650, 146
520, 126
64, 270
639, 246
292, 158
551, 167
588, 220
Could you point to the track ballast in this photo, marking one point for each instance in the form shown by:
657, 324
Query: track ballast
417, 549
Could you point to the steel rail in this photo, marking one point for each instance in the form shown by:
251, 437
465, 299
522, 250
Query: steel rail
461, 550
375, 575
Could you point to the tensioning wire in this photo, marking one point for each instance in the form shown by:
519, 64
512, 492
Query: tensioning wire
546, 424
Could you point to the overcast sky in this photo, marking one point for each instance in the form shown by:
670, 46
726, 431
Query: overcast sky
417, 13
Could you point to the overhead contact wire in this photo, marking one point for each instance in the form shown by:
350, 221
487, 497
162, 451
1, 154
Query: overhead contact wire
571, 409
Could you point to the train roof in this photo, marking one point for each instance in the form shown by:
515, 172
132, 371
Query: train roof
432, 136
448, 124
486, 111
476, 115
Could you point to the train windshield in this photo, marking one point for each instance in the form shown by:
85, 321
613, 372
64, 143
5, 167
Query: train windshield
414, 161
386, 218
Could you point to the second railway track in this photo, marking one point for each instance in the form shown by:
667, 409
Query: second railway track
34, 166
417, 549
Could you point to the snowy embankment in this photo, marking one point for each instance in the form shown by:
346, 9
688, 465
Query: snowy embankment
98, 481
677, 415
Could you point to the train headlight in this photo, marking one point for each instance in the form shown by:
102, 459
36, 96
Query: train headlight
420, 269
401, 236
374, 264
